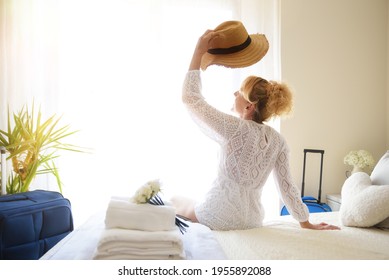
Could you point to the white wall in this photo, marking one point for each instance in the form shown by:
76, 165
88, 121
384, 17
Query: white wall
334, 55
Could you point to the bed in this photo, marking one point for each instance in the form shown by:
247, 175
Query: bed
365, 204
279, 239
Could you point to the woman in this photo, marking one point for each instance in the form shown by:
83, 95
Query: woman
250, 150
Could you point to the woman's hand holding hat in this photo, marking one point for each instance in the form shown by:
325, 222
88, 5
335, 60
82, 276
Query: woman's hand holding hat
204, 43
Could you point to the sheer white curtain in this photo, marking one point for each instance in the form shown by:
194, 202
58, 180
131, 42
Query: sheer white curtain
114, 69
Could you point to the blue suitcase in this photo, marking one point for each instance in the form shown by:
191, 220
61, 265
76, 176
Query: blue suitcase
31, 223
314, 205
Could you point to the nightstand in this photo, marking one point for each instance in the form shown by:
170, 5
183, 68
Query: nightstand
334, 201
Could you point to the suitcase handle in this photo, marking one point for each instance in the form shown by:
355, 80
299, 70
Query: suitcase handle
13, 197
321, 171
313, 151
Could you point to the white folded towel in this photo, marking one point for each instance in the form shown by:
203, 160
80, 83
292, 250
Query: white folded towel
119, 244
122, 213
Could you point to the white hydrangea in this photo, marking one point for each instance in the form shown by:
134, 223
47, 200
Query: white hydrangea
359, 158
146, 192
155, 186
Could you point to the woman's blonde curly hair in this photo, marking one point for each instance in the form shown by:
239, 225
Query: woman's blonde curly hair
270, 98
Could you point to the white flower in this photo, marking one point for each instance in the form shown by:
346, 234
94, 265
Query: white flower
147, 192
155, 186
360, 158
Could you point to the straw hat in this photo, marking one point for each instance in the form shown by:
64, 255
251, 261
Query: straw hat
235, 48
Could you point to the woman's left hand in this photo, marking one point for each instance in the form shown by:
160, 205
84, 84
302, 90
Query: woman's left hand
321, 226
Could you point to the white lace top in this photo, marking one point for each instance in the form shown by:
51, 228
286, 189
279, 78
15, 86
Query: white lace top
249, 152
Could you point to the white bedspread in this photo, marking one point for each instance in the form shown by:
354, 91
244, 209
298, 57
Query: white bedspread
284, 239
281, 239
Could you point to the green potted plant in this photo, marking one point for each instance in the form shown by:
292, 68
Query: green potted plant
32, 145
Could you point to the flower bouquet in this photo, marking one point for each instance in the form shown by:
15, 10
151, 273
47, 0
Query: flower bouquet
148, 193
360, 159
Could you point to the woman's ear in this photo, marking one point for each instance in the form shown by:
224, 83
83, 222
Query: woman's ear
249, 111
250, 107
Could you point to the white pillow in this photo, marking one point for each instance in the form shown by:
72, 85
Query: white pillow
363, 204
384, 224
380, 173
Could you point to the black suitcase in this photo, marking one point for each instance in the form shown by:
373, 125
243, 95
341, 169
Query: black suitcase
31, 223
314, 204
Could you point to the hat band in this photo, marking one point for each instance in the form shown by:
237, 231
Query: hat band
232, 49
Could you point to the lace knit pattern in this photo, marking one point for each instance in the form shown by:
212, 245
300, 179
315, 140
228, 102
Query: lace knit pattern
248, 153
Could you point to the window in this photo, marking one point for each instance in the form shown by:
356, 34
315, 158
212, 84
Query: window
114, 69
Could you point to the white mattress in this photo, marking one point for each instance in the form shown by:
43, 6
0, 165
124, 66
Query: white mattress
281, 238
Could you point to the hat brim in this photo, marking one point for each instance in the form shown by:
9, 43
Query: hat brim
244, 58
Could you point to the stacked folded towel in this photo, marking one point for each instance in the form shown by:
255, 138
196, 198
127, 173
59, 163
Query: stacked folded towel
135, 244
121, 213
139, 231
